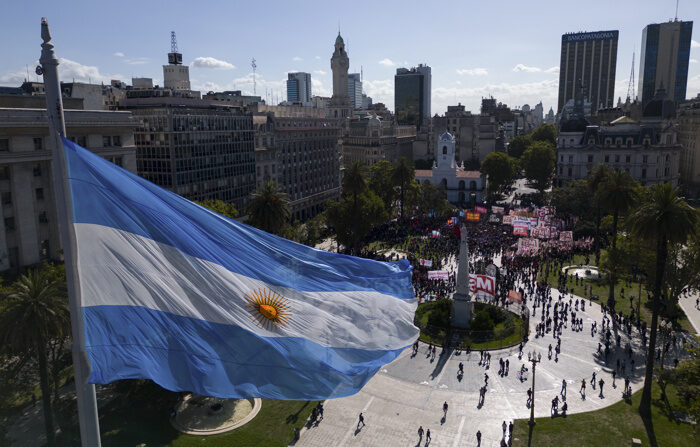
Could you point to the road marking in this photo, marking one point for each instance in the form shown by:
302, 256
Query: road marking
352, 430
459, 432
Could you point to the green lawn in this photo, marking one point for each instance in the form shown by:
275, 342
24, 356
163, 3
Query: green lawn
615, 425
124, 425
603, 290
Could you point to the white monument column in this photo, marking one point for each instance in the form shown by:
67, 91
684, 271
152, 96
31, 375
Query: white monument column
461, 301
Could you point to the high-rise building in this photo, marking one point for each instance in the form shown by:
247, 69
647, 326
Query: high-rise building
355, 90
689, 138
340, 105
664, 61
370, 140
588, 60
299, 87
412, 90
28, 221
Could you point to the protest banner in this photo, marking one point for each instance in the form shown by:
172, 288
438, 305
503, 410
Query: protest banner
508, 220
495, 218
426, 262
480, 209
497, 209
482, 284
438, 274
515, 297
473, 217
520, 230
566, 236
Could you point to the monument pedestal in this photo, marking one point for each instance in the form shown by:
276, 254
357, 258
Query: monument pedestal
462, 312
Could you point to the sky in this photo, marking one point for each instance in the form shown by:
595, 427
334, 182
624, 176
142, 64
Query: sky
507, 49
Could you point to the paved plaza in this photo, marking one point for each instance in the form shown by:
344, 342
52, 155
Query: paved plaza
410, 391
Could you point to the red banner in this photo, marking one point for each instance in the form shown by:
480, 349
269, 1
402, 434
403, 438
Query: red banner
514, 297
480, 209
520, 230
482, 283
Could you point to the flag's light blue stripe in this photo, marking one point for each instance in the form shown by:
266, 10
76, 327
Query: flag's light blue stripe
188, 354
105, 194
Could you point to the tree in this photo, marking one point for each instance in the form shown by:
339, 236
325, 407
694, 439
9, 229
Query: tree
269, 209
432, 199
352, 219
687, 379
574, 199
662, 218
501, 171
354, 180
546, 132
616, 194
539, 161
381, 182
595, 178
402, 175
218, 206
518, 145
36, 312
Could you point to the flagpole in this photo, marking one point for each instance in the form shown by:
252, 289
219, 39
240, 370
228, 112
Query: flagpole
87, 401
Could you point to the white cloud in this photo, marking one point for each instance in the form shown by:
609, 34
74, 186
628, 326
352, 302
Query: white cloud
138, 61
297, 59
320, 72
387, 62
694, 44
318, 89
380, 91
70, 70
15, 78
318, 58
472, 71
119, 54
693, 61
521, 67
552, 70
210, 62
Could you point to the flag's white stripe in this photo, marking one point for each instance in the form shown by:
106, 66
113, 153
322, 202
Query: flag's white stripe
121, 268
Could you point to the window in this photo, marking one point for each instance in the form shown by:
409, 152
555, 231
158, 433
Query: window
9, 224
627, 159
645, 159
571, 158
644, 172
7, 198
561, 158
590, 159
618, 142
43, 218
82, 141
617, 158
629, 142
37, 170
4, 172
4, 145
444, 150
569, 171
607, 158
106, 141
39, 193
38, 144
117, 141
44, 249
13, 254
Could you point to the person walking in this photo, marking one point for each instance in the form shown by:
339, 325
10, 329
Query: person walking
582, 390
361, 421
444, 408
563, 388
601, 382
420, 433
478, 437
427, 437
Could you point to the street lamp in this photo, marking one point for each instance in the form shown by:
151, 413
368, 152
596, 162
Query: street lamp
534, 359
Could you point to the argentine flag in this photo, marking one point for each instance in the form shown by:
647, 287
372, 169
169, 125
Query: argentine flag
173, 292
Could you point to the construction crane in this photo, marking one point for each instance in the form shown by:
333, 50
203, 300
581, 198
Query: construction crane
252, 64
630, 86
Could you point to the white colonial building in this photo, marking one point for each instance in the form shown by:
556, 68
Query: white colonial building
463, 187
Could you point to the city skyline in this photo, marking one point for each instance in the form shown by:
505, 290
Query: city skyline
500, 54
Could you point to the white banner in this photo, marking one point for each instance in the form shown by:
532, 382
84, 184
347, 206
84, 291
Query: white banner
426, 262
438, 274
482, 284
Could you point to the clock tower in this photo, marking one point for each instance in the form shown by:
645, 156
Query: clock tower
340, 101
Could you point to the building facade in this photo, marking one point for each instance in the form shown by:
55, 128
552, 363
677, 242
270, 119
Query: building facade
299, 87
29, 225
412, 95
371, 139
463, 188
689, 138
588, 60
475, 135
301, 156
194, 149
664, 61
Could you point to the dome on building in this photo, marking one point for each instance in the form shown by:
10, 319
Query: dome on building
446, 136
575, 124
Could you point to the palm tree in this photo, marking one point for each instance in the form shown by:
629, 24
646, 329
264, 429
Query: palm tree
354, 181
269, 209
401, 176
595, 178
36, 312
616, 193
662, 218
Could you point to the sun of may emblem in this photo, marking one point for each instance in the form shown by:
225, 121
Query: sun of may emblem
267, 308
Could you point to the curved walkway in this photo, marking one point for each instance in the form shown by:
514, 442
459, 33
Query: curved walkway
410, 391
